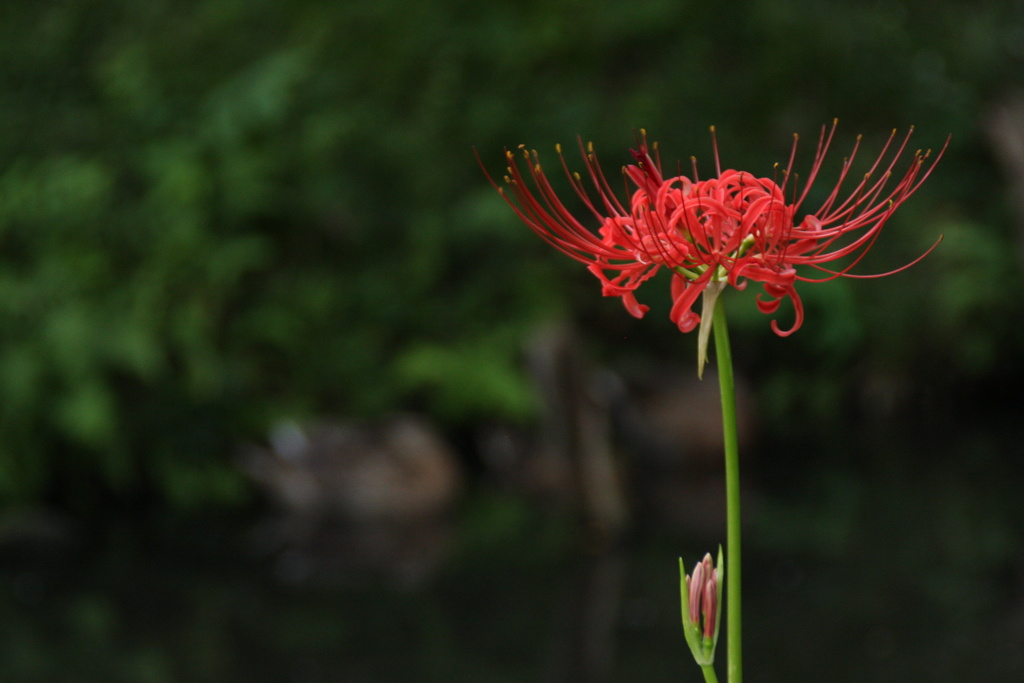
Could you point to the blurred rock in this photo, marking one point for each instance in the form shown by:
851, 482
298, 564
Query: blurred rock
398, 471
355, 499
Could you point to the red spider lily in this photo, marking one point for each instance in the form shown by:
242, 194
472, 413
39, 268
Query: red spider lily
725, 230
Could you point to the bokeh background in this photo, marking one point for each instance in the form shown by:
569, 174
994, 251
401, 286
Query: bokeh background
245, 247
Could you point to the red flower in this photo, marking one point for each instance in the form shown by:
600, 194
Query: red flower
725, 230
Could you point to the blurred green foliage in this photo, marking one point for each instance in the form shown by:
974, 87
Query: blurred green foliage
214, 213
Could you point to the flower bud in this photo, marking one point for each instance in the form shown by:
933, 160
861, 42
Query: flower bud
701, 594
710, 606
696, 583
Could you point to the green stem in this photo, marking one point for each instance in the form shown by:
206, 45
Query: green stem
733, 618
709, 674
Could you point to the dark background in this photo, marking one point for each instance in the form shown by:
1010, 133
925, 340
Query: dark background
218, 215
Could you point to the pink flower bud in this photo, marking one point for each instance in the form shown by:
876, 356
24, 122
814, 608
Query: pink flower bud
696, 584
710, 606
702, 601
709, 566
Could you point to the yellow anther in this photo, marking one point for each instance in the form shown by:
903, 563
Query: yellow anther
508, 154
655, 145
507, 179
522, 146
576, 176
558, 148
796, 136
643, 132
859, 137
590, 147
835, 121
712, 129
536, 168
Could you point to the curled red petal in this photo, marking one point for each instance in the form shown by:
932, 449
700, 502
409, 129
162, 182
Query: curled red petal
798, 306
678, 286
635, 309
688, 322
684, 294
767, 307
